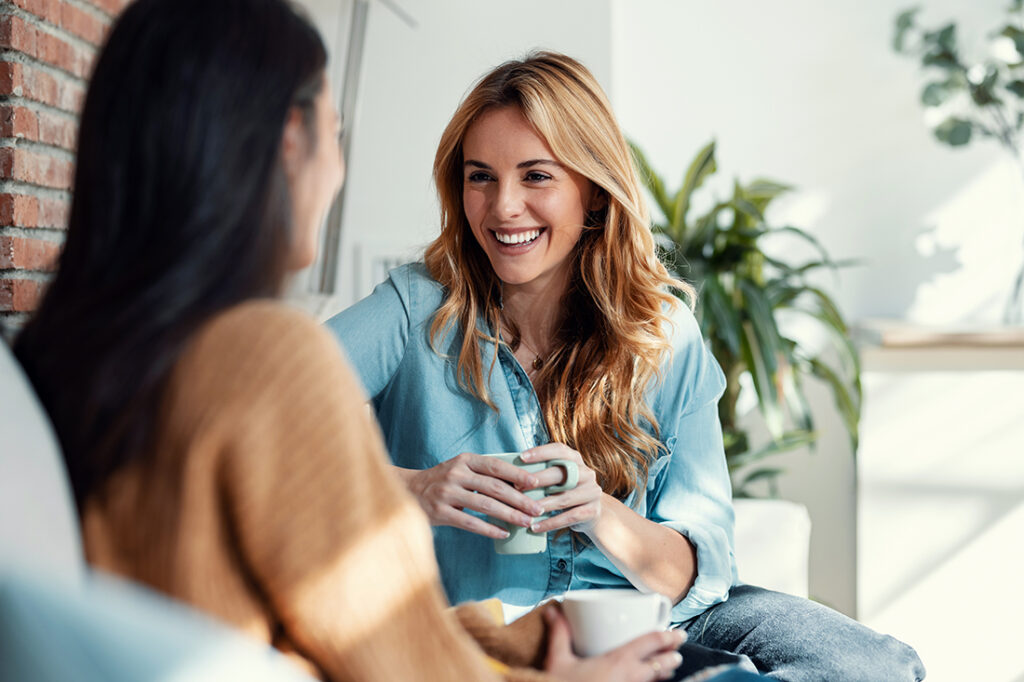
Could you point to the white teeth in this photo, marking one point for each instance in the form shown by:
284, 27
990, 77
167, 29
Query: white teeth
517, 238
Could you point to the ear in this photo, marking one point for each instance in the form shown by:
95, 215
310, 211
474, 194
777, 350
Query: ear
293, 142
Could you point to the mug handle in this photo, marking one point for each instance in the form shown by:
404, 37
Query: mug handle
572, 476
664, 611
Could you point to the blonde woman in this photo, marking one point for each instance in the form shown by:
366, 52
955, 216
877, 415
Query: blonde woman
541, 321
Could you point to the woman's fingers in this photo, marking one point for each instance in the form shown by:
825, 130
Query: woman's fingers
577, 517
663, 666
496, 468
494, 508
653, 643
460, 519
497, 489
559, 636
543, 453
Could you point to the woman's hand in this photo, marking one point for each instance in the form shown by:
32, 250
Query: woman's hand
579, 508
650, 657
483, 484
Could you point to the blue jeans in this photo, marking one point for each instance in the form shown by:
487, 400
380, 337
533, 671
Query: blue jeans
795, 639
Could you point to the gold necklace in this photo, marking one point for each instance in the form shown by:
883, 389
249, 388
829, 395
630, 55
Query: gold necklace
538, 361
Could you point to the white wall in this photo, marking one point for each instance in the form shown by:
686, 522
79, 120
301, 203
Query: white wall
413, 79
810, 93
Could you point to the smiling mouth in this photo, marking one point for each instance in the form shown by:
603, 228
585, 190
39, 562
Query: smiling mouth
517, 238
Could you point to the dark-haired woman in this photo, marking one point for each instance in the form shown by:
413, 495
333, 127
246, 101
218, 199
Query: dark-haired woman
216, 442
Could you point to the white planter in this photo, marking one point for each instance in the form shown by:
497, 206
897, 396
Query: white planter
772, 544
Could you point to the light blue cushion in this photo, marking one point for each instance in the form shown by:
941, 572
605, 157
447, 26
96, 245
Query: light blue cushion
113, 631
38, 526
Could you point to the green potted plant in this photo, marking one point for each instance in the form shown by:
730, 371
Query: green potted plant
972, 98
743, 292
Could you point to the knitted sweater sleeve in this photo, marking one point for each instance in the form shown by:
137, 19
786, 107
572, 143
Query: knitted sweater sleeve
339, 550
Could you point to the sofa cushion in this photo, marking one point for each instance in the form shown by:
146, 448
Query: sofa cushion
109, 630
38, 524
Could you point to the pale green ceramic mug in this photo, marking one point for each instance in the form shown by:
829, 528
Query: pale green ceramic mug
523, 540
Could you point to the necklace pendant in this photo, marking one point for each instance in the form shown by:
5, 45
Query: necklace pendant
538, 362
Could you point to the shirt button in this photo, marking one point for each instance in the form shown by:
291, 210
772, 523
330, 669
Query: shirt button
562, 564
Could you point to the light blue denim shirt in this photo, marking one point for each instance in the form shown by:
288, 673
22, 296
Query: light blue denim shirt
427, 418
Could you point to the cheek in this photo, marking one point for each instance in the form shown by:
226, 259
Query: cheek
564, 211
473, 204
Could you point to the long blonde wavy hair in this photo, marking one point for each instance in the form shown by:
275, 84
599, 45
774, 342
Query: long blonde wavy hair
609, 349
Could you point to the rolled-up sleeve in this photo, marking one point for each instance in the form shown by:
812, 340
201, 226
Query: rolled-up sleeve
691, 492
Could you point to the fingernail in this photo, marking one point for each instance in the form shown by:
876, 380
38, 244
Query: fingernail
533, 527
536, 509
680, 635
526, 456
525, 521
531, 482
677, 659
504, 535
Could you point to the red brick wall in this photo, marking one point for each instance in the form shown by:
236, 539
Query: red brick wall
46, 51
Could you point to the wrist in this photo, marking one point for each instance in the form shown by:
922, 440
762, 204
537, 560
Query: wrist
407, 476
593, 528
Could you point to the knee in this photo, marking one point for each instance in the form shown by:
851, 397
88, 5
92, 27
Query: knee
896, 661
868, 658
794, 639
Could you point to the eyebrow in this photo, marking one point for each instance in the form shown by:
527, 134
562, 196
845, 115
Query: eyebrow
522, 164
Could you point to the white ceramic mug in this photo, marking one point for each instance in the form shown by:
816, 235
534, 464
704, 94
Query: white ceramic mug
602, 620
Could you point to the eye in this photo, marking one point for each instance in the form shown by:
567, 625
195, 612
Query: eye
479, 176
536, 176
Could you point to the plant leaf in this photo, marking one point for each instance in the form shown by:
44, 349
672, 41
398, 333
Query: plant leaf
849, 409
726, 317
807, 237
954, 131
793, 390
904, 22
935, 94
1016, 86
790, 440
651, 180
700, 168
769, 474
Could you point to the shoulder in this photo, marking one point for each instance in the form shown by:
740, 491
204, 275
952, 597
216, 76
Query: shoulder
260, 347
421, 293
690, 376
682, 329
265, 328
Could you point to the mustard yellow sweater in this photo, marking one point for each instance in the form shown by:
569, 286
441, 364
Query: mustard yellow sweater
268, 503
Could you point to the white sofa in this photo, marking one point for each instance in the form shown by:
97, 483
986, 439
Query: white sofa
61, 621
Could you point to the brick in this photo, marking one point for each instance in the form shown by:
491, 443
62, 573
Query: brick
20, 295
111, 7
84, 25
17, 35
53, 213
11, 79
56, 130
48, 10
71, 97
19, 122
20, 210
22, 80
62, 54
35, 168
21, 253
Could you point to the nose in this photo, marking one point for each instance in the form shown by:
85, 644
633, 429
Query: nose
508, 201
